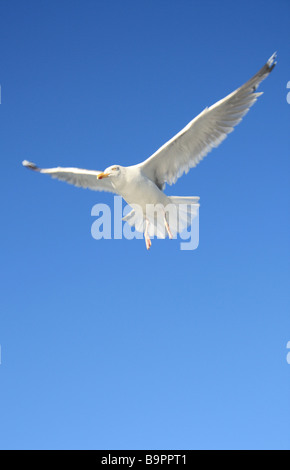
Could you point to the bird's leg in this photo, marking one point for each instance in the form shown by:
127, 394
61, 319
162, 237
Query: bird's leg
167, 227
147, 238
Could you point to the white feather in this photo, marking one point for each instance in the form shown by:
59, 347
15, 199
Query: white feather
206, 131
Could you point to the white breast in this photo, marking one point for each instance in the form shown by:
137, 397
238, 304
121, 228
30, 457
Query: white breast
136, 188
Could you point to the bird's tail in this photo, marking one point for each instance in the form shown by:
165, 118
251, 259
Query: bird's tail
186, 210
179, 214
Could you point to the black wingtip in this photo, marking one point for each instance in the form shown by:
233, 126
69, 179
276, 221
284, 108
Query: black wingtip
30, 165
272, 61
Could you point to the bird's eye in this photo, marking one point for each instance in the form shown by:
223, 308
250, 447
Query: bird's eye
115, 168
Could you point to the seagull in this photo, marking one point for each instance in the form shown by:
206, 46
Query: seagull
143, 184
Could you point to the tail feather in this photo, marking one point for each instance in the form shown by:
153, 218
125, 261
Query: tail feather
187, 210
179, 214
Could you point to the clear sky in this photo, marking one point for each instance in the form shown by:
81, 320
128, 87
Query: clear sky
103, 344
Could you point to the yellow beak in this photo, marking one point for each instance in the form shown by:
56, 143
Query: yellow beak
102, 175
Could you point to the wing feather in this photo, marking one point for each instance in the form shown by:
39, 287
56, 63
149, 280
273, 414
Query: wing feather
76, 176
204, 132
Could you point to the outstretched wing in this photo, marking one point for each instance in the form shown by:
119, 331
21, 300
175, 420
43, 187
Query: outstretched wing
76, 176
207, 130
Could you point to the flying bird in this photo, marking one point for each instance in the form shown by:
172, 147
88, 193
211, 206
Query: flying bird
142, 185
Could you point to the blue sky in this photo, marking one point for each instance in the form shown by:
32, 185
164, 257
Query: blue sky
104, 345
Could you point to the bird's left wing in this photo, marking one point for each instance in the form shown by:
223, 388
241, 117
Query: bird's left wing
207, 130
76, 176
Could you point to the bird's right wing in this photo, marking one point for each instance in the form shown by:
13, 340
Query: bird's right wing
207, 130
76, 176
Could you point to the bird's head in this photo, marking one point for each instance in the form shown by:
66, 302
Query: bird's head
111, 171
